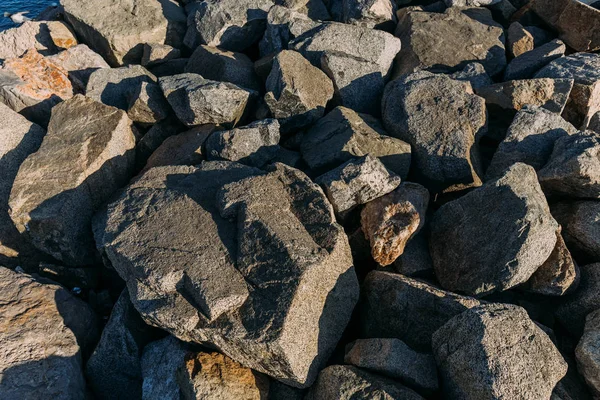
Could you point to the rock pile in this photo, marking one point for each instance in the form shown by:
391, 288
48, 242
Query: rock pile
301, 199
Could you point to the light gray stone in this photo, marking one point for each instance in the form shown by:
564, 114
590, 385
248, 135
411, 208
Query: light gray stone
147, 105
588, 357
507, 354
199, 101
527, 64
581, 227
112, 86
85, 156
475, 74
80, 62
379, 14
157, 53
160, 362
118, 29
33, 35
465, 234
283, 25
442, 120
251, 262
343, 134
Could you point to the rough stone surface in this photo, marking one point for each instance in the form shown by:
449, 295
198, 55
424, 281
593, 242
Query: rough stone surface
448, 41
314, 9
31, 35
581, 227
160, 362
470, 3
85, 156
255, 144
530, 139
395, 306
112, 86
588, 355
508, 355
216, 376
356, 182
155, 136
416, 259
586, 299
577, 23
199, 101
206, 240
80, 62
573, 170
379, 14
442, 120
584, 69
390, 221
156, 53
343, 134
18, 139
283, 25
118, 29
344, 382
393, 358
465, 233
225, 66
147, 105
519, 40
369, 44
297, 92
230, 24
43, 332
32, 85
475, 74
115, 369
527, 64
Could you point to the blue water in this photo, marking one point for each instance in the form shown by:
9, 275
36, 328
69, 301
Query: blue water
34, 6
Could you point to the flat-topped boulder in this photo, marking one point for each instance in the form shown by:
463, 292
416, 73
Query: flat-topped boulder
112, 86
206, 275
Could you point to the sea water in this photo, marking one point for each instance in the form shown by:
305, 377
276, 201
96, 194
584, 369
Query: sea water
13, 6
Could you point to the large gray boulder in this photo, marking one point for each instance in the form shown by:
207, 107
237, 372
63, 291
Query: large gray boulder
442, 120
530, 139
44, 332
86, 155
465, 234
112, 86
199, 101
345, 382
18, 139
160, 362
343, 134
395, 306
573, 169
588, 354
230, 24
580, 221
507, 354
448, 41
118, 29
251, 262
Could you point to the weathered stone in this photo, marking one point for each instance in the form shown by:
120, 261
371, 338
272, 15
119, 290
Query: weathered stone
595, 123
450, 40
573, 170
343, 134
32, 85
344, 382
43, 333
511, 96
156, 53
115, 366
527, 64
470, 3
379, 14
118, 29
80, 62
393, 358
416, 259
507, 354
297, 92
465, 233
230, 24
18, 139
283, 25
238, 241
588, 356
225, 66
586, 299
32, 35
390, 221
578, 24
314, 9
147, 105
199, 101
160, 361
442, 120
519, 40
475, 74
358, 181
85, 156
530, 140
584, 69
581, 227
395, 306
62, 36
216, 376
255, 144
155, 136
358, 83
369, 44
171, 67
112, 86
183, 149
